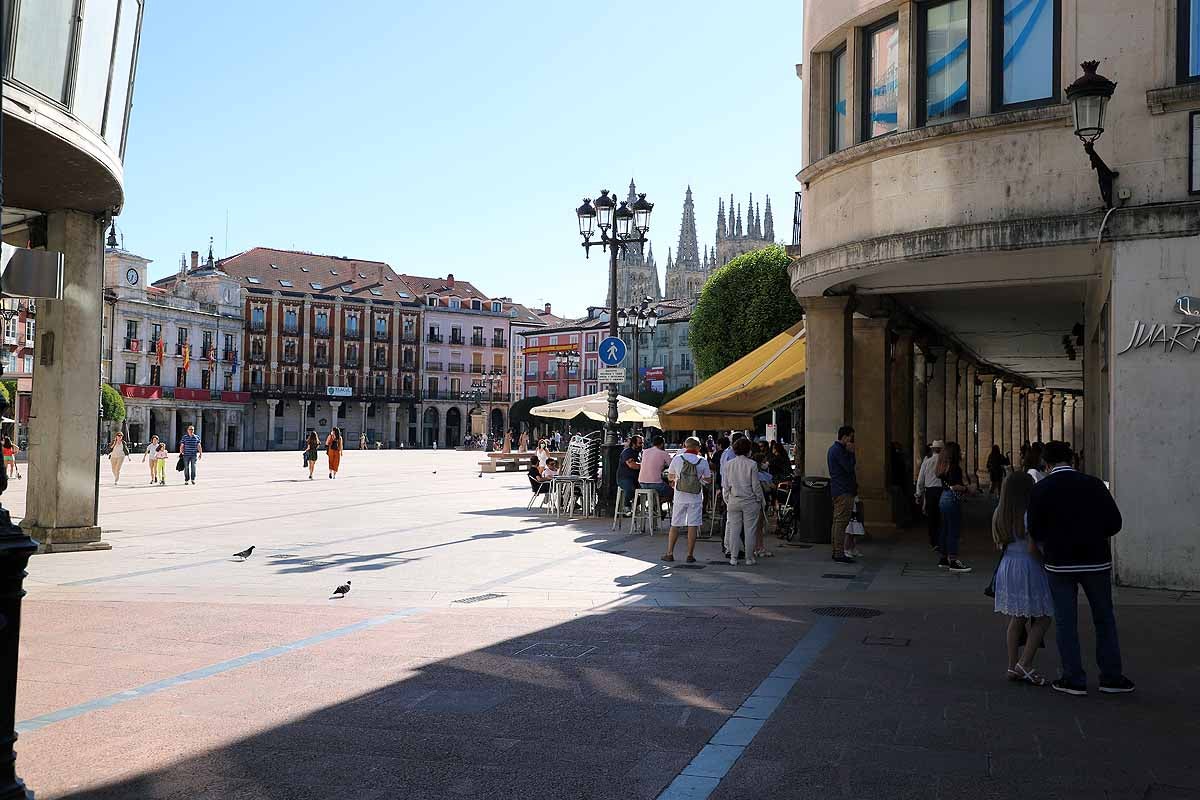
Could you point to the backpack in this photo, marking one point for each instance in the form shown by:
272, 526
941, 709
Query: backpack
688, 481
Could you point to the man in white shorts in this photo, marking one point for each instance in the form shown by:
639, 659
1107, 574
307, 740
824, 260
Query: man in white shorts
688, 474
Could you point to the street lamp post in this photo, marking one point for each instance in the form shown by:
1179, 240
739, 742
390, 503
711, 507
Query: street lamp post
1089, 96
619, 227
488, 380
638, 318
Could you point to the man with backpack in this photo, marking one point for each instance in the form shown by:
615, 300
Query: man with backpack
688, 473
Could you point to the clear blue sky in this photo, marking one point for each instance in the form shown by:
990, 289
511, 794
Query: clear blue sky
454, 136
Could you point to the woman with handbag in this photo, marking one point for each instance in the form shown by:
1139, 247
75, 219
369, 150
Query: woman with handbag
311, 445
116, 455
954, 483
333, 450
1021, 587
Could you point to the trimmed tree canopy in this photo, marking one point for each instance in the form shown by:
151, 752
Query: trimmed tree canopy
112, 403
519, 413
744, 304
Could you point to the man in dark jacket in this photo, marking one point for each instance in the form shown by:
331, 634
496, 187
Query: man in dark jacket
843, 485
1072, 516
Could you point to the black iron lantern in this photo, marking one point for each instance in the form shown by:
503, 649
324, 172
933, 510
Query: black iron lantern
641, 213
587, 218
624, 220
1089, 96
604, 210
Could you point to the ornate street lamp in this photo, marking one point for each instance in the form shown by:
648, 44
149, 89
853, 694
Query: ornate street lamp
631, 224
1089, 96
637, 319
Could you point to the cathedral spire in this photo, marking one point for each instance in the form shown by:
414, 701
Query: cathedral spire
757, 221
687, 255
732, 225
632, 192
738, 230
720, 218
769, 223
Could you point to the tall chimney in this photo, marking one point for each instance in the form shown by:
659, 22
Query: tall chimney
547, 308
450, 280
195, 259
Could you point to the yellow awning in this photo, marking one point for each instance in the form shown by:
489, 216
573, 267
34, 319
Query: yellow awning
749, 386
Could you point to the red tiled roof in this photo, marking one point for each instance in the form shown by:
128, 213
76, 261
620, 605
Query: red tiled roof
444, 287
292, 270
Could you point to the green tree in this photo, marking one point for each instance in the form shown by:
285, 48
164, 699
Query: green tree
743, 305
519, 413
6, 399
112, 403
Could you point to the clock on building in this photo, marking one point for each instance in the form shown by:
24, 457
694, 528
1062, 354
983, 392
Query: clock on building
131, 275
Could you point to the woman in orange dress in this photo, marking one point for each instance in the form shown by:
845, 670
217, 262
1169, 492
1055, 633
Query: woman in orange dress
333, 449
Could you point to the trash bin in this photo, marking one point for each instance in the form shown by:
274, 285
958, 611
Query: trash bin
815, 514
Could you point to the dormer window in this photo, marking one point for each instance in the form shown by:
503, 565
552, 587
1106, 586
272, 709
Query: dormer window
432, 300
496, 308
315, 286
376, 292
455, 303
286, 284
252, 279
476, 305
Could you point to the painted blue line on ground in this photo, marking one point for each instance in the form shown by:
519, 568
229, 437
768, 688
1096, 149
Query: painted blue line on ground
43, 720
701, 776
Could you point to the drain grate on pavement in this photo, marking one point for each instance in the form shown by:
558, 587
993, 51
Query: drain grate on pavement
556, 650
886, 641
847, 611
843, 576
479, 598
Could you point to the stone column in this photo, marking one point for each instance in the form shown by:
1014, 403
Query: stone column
920, 403
1003, 419
970, 448
987, 420
306, 324
829, 397
949, 372
363, 429
1076, 422
273, 328
902, 391
960, 411
335, 349
871, 393
64, 423
390, 438
935, 413
1068, 427
334, 405
271, 404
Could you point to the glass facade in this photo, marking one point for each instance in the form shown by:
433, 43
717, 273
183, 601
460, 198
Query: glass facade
882, 87
1189, 22
1028, 51
837, 106
79, 55
945, 62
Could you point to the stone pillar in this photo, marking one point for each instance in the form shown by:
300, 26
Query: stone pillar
987, 420
273, 328
970, 448
1075, 422
271, 404
1068, 427
871, 420
1003, 417
335, 349
935, 414
306, 324
902, 391
363, 429
960, 411
829, 397
1032, 418
334, 405
390, 438
920, 401
64, 423
949, 372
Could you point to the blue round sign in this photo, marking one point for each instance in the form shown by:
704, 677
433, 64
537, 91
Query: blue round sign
612, 351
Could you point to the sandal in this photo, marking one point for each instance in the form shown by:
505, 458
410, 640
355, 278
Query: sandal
690, 559
668, 557
1013, 675
1031, 676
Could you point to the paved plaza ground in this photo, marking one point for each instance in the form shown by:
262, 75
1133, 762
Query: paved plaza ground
489, 651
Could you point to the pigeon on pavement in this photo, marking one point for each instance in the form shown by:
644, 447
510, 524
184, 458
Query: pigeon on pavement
243, 555
342, 590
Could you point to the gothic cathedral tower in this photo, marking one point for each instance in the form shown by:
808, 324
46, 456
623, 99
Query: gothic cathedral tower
637, 274
686, 274
733, 239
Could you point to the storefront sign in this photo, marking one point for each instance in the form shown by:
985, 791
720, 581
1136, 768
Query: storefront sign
339, 391
1188, 306
1183, 335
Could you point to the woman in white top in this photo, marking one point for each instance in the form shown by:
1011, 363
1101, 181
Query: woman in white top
688, 473
116, 455
151, 451
542, 453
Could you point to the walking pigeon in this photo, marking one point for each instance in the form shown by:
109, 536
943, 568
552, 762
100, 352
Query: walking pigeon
243, 555
342, 590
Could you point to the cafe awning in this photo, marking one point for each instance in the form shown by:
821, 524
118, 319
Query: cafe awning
752, 384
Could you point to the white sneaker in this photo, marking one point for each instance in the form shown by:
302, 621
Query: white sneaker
733, 561
750, 562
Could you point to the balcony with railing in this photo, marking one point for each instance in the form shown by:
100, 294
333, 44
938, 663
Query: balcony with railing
321, 361
258, 357
498, 342
320, 333
353, 333
409, 338
380, 363
458, 367
408, 364
352, 362
179, 348
230, 355
434, 338
434, 366
258, 326
133, 345
290, 358
477, 369
380, 336
478, 341
291, 330
457, 339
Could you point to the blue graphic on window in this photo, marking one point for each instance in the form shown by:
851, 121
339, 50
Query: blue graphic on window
1028, 63
884, 64
946, 51
837, 74
1194, 39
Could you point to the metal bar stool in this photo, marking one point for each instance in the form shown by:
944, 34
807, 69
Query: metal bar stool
646, 508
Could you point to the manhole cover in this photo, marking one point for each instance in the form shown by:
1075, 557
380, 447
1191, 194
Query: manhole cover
847, 611
843, 576
479, 598
887, 641
556, 650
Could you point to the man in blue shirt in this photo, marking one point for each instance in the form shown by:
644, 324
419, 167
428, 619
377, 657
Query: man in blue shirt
191, 450
628, 468
843, 485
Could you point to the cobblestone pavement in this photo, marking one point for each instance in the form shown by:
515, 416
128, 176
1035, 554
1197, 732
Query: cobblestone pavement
489, 651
